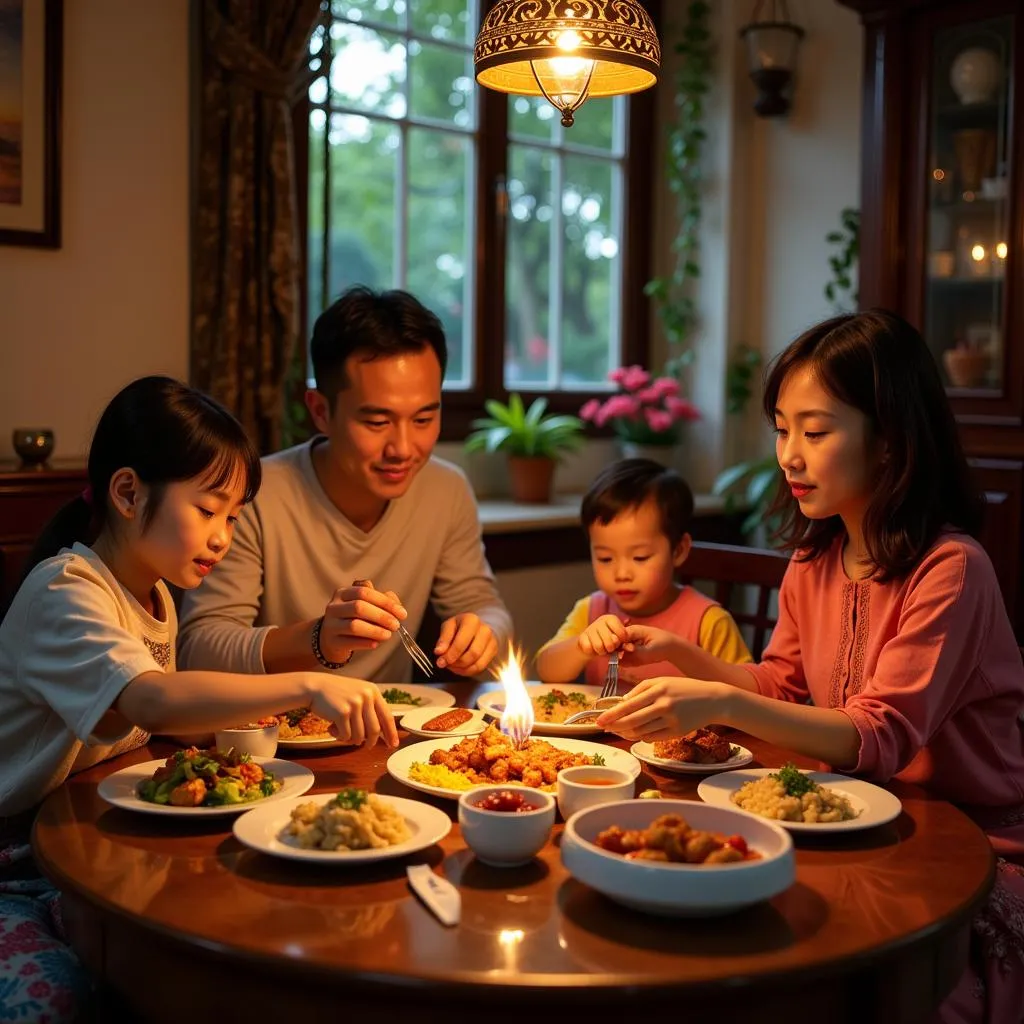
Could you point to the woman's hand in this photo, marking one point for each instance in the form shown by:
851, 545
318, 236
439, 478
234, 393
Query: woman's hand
658, 709
603, 636
357, 709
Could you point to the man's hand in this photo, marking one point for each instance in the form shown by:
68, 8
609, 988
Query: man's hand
466, 645
358, 618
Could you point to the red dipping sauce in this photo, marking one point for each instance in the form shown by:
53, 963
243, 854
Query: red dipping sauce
508, 800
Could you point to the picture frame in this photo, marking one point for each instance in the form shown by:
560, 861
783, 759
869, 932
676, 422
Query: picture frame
31, 73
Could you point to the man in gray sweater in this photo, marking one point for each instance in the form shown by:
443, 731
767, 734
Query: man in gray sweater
363, 500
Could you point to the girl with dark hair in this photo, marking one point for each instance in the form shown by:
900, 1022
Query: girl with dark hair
87, 668
893, 656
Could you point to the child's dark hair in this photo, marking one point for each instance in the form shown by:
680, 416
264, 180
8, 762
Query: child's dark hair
877, 363
375, 325
628, 484
165, 431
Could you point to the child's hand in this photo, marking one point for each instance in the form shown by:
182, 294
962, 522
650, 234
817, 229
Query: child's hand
646, 644
357, 709
658, 709
602, 636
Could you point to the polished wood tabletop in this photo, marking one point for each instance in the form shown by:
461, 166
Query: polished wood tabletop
874, 929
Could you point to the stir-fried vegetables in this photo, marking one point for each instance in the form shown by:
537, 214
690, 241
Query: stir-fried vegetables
208, 778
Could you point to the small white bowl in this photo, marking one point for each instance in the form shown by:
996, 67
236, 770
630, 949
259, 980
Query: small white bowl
506, 839
679, 890
586, 785
260, 741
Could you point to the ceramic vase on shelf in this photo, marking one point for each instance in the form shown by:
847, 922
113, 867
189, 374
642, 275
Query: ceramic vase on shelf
666, 454
974, 75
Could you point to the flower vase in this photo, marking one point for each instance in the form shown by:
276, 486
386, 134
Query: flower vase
665, 454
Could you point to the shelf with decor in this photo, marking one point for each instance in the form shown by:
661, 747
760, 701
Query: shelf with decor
942, 165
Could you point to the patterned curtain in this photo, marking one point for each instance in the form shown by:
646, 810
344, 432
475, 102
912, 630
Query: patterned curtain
245, 245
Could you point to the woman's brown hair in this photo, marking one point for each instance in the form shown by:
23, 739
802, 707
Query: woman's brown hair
877, 363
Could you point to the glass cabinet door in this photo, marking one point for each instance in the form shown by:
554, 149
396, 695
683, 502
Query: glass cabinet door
968, 202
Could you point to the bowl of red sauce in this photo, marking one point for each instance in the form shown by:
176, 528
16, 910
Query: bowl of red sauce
506, 826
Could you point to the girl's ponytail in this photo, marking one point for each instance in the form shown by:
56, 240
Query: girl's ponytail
73, 522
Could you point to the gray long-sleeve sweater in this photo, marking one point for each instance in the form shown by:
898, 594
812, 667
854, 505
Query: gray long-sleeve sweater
293, 549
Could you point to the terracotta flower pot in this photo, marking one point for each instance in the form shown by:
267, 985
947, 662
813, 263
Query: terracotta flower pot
531, 478
966, 368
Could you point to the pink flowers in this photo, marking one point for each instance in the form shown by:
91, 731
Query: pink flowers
646, 411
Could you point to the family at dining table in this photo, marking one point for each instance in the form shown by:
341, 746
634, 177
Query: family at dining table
893, 656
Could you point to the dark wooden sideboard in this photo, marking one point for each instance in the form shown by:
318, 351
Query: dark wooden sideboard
29, 496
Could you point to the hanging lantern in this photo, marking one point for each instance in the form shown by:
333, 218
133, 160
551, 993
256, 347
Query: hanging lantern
567, 50
771, 54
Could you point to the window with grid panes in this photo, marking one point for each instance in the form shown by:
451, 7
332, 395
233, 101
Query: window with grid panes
511, 228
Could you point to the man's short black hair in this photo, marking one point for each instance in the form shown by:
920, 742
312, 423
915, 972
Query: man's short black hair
628, 484
373, 325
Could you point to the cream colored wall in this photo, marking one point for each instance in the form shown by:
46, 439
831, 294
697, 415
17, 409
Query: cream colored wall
112, 303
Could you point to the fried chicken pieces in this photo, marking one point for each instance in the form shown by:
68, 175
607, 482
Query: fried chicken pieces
702, 746
669, 838
490, 757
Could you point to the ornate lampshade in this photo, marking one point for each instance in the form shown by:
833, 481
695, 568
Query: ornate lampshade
771, 54
567, 50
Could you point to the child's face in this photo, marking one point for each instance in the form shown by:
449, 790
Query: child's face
825, 448
191, 530
633, 560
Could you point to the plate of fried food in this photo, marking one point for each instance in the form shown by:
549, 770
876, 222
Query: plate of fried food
450, 722
698, 752
803, 801
350, 827
200, 783
446, 769
552, 705
301, 728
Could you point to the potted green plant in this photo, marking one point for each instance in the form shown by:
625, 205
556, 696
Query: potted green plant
533, 441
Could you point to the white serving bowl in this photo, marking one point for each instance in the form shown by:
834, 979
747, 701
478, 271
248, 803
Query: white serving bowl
679, 890
506, 839
588, 785
260, 741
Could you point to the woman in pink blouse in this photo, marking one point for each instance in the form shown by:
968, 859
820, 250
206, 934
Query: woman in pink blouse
893, 656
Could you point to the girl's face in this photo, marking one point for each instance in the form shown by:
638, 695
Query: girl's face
825, 448
633, 560
190, 532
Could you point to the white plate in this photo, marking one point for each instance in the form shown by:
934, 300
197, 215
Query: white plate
261, 830
120, 789
413, 721
430, 697
645, 751
875, 806
297, 743
401, 761
492, 704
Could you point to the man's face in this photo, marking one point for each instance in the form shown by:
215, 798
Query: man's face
385, 424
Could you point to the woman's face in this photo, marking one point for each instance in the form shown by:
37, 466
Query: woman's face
826, 449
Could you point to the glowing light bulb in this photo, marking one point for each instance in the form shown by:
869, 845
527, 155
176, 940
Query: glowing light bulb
1001, 250
569, 40
977, 253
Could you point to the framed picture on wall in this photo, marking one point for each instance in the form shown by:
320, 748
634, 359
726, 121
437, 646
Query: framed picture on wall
31, 58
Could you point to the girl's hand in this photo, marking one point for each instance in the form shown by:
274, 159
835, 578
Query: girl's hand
647, 644
357, 709
658, 709
603, 636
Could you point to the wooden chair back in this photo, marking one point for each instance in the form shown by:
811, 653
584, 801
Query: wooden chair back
730, 569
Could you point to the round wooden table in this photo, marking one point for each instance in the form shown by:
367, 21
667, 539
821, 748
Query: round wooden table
183, 922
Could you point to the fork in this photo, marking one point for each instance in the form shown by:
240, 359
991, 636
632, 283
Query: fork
412, 648
609, 693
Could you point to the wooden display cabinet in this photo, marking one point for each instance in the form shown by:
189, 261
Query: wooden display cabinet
942, 224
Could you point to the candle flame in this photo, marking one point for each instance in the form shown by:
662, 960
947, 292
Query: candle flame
517, 718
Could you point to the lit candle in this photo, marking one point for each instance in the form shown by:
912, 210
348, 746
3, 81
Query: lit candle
517, 718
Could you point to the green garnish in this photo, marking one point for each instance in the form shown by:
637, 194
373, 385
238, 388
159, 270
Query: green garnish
393, 695
734, 751
350, 799
598, 760
793, 780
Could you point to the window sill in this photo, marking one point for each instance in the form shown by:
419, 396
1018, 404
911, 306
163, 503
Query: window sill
504, 516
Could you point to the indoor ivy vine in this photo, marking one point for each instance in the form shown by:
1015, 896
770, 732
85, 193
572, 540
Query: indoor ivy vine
673, 294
